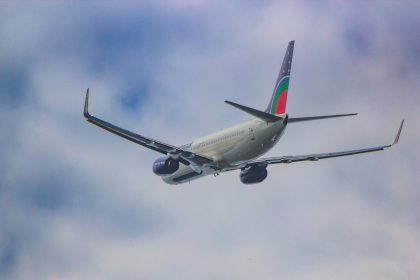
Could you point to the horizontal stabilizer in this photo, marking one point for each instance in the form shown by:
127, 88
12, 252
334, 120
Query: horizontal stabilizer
304, 119
256, 113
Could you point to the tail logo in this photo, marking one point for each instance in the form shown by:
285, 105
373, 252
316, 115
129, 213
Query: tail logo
279, 100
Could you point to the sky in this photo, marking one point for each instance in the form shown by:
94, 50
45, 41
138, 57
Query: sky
77, 202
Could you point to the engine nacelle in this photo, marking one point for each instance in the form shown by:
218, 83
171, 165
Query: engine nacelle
165, 166
255, 174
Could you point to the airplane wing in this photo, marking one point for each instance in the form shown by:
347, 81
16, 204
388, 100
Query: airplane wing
314, 157
184, 156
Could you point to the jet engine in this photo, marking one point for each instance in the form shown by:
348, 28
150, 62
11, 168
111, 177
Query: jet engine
252, 175
165, 166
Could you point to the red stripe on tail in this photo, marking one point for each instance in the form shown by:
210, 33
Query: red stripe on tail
281, 103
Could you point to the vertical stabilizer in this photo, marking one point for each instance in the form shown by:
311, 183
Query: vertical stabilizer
278, 100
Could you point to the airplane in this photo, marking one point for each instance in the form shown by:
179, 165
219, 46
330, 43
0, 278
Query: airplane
235, 148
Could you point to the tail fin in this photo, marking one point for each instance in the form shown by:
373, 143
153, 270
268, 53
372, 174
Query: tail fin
278, 100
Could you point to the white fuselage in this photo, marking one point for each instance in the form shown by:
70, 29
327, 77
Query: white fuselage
229, 148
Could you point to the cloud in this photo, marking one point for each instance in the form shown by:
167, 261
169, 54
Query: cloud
79, 203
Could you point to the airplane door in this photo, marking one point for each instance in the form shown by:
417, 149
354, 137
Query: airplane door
251, 134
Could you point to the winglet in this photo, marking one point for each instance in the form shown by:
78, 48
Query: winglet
86, 110
398, 134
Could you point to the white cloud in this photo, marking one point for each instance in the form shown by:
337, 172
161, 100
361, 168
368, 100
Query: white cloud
79, 203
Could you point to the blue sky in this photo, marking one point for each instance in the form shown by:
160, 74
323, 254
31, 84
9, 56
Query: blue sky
79, 203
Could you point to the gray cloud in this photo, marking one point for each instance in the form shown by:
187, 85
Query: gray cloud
76, 202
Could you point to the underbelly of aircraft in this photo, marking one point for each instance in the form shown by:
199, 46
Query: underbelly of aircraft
184, 174
230, 156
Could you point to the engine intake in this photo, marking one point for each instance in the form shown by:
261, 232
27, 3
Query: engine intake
165, 166
255, 174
